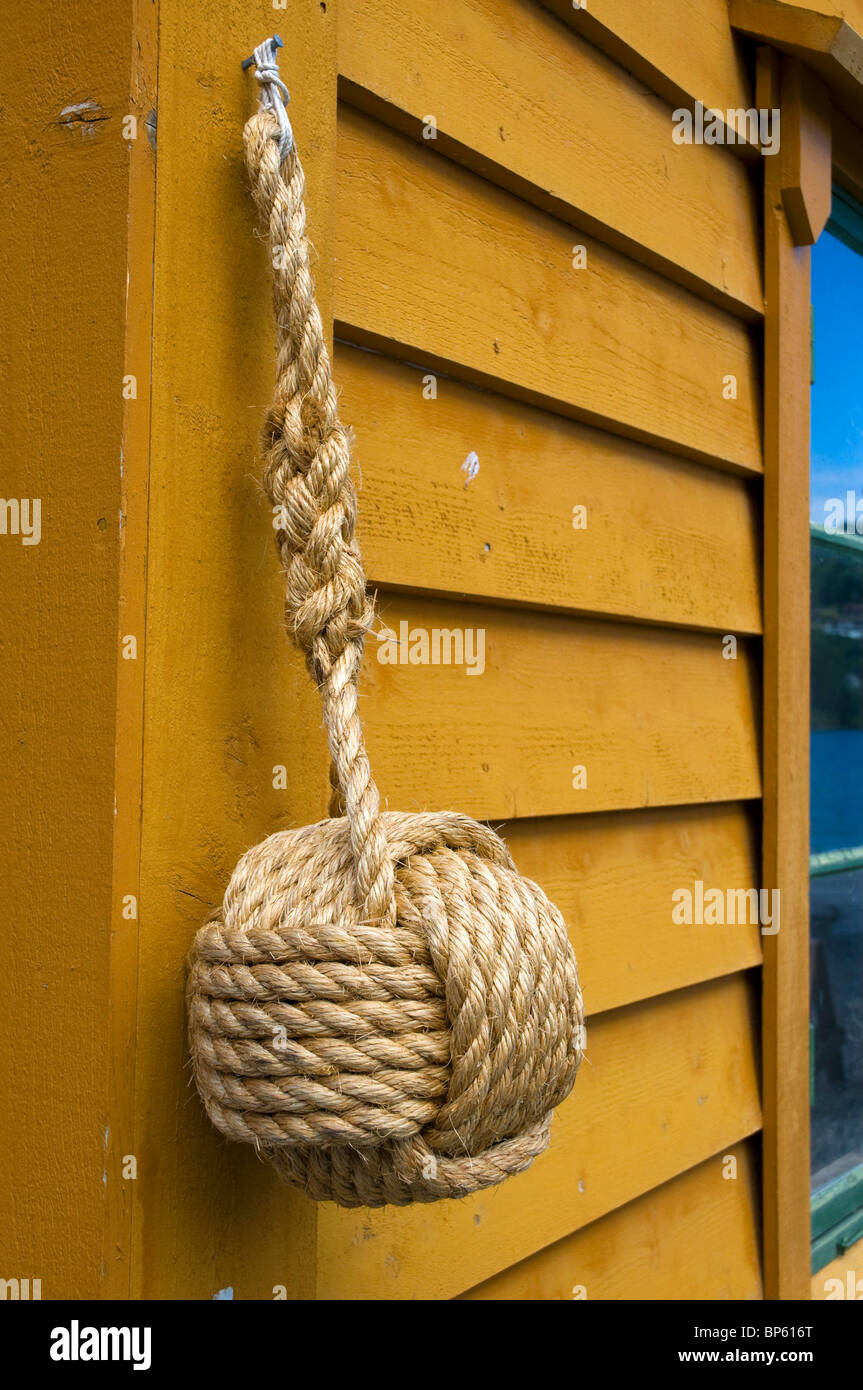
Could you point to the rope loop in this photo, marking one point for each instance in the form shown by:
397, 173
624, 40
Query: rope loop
274, 94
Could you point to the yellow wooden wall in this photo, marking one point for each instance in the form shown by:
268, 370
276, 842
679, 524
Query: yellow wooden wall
600, 387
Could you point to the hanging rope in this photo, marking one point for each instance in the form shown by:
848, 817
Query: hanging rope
383, 1006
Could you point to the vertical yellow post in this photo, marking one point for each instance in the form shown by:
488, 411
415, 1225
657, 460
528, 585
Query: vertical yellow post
132, 607
785, 1030
72, 153
232, 744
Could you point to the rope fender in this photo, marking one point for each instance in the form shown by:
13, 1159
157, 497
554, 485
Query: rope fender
382, 1005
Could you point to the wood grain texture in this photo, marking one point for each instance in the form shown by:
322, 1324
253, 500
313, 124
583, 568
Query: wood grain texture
785, 850
528, 104
664, 1085
686, 53
656, 717
226, 701
661, 539
595, 867
132, 617
62, 299
694, 1238
440, 267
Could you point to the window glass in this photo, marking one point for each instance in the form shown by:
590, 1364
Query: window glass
836, 865
837, 397
837, 696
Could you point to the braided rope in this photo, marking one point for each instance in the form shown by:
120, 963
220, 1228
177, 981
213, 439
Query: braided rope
307, 477
383, 1006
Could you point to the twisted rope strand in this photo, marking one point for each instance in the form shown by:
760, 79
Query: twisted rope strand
307, 478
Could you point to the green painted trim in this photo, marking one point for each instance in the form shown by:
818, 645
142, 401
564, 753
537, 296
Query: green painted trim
837, 1218
811, 1065
835, 861
837, 1201
835, 538
846, 219
838, 1241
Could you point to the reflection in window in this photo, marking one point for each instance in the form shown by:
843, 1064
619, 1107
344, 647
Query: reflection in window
836, 865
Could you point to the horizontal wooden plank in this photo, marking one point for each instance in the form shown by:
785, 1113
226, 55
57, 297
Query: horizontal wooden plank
438, 266
660, 538
664, 1085
686, 53
655, 717
531, 106
697, 1237
595, 867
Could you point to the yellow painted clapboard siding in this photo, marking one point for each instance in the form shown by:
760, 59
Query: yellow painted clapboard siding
684, 52
665, 539
656, 717
536, 109
664, 1085
596, 867
696, 1237
439, 266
